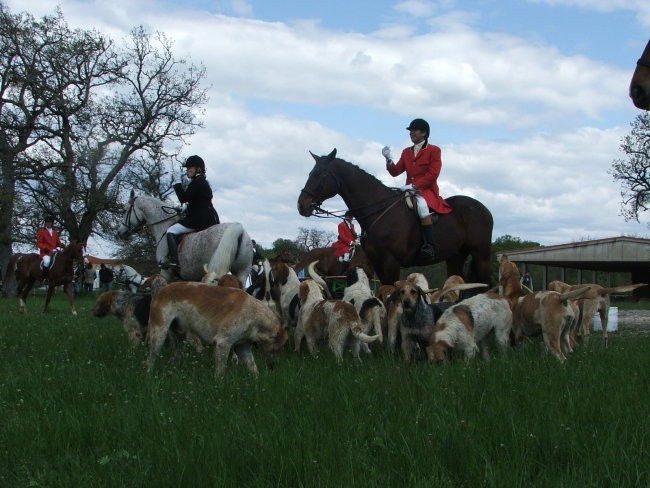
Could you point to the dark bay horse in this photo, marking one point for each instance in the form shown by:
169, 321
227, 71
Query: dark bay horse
640, 84
391, 235
27, 270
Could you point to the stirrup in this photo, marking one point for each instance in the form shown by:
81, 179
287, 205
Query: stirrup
428, 250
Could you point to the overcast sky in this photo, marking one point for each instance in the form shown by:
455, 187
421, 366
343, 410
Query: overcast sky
527, 99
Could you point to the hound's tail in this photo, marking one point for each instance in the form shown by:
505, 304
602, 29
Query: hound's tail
362, 336
622, 289
311, 271
226, 253
575, 294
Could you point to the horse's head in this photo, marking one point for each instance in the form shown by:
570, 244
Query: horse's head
75, 251
640, 83
321, 185
132, 221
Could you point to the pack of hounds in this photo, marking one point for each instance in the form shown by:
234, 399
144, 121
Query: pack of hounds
436, 324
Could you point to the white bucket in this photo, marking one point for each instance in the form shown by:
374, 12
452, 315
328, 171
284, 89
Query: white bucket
612, 320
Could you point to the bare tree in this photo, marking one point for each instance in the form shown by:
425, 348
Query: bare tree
309, 239
22, 104
634, 171
152, 107
80, 117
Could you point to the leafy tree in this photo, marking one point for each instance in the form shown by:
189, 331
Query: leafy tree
509, 243
634, 171
285, 245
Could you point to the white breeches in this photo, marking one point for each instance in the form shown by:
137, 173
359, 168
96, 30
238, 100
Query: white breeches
46, 261
345, 257
421, 203
178, 229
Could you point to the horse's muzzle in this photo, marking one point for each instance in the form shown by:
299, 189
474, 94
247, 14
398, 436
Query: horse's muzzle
306, 210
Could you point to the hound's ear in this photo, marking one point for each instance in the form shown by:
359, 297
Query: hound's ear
132, 195
205, 268
331, 155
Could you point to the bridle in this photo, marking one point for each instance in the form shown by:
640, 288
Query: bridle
141, 222
127, 218
125, 278
384, 205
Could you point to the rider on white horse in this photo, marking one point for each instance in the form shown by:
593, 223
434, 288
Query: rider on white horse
200, 212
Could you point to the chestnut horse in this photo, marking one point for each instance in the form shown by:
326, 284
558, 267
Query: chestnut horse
391, 235
640, 84
329, 265
27, 269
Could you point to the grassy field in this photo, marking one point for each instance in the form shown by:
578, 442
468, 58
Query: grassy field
76, 409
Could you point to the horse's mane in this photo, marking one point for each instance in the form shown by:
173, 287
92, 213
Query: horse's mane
363, 172
157, 206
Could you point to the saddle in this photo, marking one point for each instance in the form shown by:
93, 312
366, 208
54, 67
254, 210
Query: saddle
409, 199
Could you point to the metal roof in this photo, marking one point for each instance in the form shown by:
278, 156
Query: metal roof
620, 254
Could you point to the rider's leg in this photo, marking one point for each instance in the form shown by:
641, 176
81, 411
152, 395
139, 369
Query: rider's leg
345, 263
426, 221
173, 234
45, 265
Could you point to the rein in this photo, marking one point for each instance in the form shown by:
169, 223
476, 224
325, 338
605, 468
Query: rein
171, 211
318, 211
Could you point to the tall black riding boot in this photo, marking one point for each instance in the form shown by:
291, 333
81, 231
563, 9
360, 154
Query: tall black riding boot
344, 267
427, 246
172, 252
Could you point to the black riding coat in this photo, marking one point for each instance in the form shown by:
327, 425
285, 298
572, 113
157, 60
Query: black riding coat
198, 196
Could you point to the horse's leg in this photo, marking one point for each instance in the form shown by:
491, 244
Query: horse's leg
388, 270
69, 290
25, 287
48, 297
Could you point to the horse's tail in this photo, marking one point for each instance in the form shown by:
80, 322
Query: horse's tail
226, 252
11, 270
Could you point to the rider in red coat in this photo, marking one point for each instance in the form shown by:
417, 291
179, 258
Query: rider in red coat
347, 239
422, 163
47, 240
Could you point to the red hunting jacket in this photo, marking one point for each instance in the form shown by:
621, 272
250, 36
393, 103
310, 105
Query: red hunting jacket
422, 171
347, 236
47, 243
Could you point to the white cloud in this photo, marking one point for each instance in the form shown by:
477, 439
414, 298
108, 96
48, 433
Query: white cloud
541, 115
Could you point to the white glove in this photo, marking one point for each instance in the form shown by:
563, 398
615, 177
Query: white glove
386, 153
356, 243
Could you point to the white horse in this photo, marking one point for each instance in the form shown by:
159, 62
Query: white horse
224, 247
128, 276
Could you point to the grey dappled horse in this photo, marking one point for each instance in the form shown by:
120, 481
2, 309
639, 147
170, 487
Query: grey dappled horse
223, 247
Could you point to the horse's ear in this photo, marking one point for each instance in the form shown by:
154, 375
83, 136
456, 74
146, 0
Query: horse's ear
331, 155
132, 196
314, 156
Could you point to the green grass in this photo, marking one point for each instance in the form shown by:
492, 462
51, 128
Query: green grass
76, 409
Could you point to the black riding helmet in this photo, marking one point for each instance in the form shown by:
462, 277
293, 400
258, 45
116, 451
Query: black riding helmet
195, 162
348, 214
48, 218
419, 124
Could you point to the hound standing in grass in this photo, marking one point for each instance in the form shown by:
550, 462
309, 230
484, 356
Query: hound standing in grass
334, 321
227, 317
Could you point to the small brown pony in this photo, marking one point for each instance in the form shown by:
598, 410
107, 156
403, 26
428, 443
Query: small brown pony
640, 84
329, 265
27, 269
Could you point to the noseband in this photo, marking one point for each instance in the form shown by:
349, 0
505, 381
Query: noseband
127, 219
